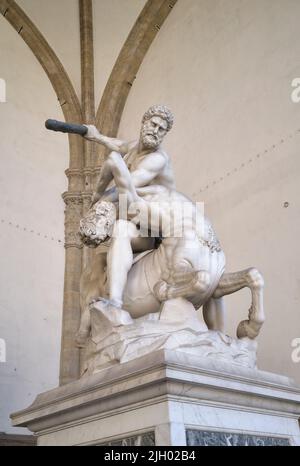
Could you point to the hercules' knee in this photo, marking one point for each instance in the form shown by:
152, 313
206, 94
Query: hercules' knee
124, 229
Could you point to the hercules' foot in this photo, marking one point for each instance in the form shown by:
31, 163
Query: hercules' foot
113, 311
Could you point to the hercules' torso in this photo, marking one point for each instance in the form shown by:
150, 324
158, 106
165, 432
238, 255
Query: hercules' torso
165, 178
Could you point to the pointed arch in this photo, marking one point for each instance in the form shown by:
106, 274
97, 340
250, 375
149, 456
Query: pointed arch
128, 62
55, 71
46, 56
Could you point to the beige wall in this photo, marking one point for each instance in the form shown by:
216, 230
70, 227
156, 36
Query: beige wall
58, 21
225, 68
113, 20
32, 265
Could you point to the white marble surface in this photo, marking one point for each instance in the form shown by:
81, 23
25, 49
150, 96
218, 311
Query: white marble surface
175, 327
165, 391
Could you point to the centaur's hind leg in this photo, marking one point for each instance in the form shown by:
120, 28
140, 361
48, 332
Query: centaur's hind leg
214, 314
250, 278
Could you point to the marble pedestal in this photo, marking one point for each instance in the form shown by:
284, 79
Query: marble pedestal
170, 398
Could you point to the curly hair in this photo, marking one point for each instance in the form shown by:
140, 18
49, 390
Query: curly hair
161, 111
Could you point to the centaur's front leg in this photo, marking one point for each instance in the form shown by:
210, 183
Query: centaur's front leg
250, 278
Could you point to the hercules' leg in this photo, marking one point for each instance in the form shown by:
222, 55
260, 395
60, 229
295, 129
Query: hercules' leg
120, 259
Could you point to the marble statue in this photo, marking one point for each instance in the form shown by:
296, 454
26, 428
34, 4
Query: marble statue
149, 165
142, 292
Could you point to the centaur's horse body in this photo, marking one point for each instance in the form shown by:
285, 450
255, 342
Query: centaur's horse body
191, 266
153, 279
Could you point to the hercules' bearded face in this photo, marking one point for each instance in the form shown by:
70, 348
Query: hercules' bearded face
153, 132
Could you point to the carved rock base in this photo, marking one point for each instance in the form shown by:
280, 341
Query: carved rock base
168, 398
175, 327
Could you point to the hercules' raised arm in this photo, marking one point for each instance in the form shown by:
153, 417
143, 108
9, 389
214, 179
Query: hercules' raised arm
113, 144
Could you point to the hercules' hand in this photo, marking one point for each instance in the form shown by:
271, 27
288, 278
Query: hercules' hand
92, 133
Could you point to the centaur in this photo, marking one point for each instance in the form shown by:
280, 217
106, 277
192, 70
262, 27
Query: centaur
190, 266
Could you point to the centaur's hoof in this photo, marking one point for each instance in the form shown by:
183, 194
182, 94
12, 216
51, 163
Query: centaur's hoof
248, 329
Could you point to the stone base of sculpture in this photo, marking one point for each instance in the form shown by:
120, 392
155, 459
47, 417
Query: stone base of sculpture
168, 398
117, 338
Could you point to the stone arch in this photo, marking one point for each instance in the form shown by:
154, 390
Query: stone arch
52, 66
118, 86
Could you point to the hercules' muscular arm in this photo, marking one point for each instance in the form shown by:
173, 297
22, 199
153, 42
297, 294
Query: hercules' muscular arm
113, 144
147, 170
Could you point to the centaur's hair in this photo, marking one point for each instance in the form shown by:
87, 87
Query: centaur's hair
97, 225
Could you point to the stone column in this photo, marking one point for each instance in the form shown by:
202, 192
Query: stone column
69, 361
87, 92
88, 107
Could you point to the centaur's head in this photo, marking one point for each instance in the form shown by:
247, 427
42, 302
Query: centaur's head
98, 224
